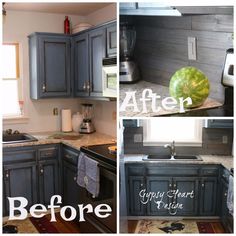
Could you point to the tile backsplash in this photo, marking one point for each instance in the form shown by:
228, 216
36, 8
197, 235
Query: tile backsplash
211, 138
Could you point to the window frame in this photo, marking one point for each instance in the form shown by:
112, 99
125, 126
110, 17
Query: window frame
196, 142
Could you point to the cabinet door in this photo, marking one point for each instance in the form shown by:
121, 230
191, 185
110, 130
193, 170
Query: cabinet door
70, 186
208, 196
111, 40
183, 186
135, 185
97, 51
160, 186
54, 62
20, 181
81, 65
48, 180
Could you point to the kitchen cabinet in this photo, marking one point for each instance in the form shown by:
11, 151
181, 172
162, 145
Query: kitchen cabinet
50, 65
200, 181
97, 51
48, 171
19, 176
212, 123
226, 217
30, 172
111, 40
69, 173
81, 65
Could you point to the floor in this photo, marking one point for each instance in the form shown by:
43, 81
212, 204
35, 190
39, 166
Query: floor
218, 227
43, 225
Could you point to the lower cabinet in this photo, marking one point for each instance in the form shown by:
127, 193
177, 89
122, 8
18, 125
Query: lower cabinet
30, 172
172, 191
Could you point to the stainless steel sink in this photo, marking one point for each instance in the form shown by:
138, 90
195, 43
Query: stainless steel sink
18, 138
176, 158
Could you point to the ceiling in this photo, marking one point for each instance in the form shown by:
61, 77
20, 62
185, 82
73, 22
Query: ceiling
82, 9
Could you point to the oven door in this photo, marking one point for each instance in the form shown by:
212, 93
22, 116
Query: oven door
107, 195
110, 81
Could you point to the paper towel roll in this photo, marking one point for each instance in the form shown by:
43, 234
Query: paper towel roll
66, 125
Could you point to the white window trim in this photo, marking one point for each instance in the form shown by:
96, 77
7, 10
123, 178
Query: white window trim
23, 118
197, 142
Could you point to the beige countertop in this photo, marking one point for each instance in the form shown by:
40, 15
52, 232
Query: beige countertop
85, 140
226, 161
160, 90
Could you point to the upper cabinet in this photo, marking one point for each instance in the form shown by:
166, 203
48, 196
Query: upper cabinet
70, 65
211, 123
111, 40
50, 72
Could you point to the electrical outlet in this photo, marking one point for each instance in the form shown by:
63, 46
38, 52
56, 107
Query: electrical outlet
225, 139
55, 111
137, 138
114, 115
192, 48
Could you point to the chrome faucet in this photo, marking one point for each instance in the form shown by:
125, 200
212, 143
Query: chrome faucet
172, 149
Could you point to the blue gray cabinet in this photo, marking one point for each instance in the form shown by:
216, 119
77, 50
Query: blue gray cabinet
212, 123
50, 66
48, 173
111, 40
19, 176
97, 51
80, 66
70, 187
199, 181
30, 172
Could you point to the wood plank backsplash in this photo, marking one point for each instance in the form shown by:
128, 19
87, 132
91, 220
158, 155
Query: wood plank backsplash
161, 47
212, 143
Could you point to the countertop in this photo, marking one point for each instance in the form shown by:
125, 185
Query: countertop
160, 90
226, 161
85, 140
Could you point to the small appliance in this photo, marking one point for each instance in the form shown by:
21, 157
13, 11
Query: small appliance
87, 126
109, 77
129, 71
228, 71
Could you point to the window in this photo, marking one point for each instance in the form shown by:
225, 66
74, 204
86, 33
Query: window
11, 106
184, 131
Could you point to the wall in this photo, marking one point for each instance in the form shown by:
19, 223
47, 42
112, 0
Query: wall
105, 14
17, 27
211, 138
161, 47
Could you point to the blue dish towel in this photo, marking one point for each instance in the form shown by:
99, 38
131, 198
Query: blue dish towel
230, 195
88, 175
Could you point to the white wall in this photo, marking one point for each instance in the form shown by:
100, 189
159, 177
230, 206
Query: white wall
105, 14
16, 28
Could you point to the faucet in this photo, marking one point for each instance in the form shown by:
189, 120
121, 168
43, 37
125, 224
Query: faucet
172, 149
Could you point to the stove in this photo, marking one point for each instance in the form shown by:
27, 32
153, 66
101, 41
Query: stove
101, 153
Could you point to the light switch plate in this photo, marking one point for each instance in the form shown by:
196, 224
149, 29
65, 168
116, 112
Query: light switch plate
192, 48
137, 138
225, 139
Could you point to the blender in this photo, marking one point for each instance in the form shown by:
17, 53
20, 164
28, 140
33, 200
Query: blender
87, 126
128, 68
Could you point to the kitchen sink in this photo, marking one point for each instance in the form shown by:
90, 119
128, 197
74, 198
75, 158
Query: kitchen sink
18, 138
176, 158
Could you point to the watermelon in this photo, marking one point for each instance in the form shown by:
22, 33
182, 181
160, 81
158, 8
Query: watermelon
190, 82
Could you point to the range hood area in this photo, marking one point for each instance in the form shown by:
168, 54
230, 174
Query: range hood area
158, 9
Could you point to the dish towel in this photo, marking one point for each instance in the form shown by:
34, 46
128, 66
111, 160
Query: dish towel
230, 195
88, 175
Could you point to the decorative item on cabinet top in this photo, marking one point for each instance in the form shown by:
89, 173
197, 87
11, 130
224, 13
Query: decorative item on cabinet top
63, 65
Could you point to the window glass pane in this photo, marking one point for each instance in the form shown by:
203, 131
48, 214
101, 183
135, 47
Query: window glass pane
10, 104
9, 67
167, 130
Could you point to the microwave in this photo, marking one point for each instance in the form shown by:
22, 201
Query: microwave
109, 77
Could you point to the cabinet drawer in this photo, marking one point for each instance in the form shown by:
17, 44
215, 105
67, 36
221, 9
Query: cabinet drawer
135, 170
48, 153
70, 156
177, 171
19, 156
209, 171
